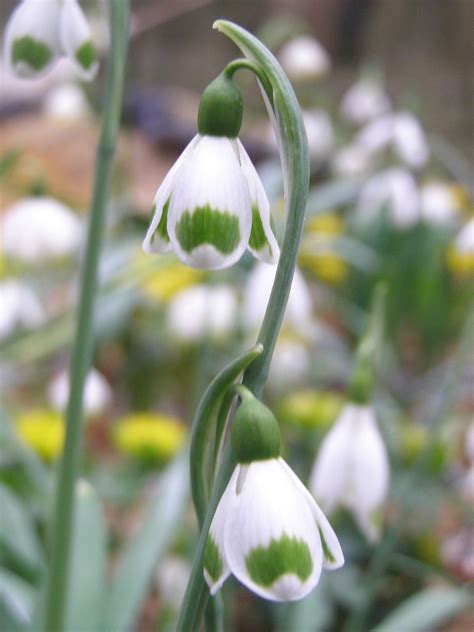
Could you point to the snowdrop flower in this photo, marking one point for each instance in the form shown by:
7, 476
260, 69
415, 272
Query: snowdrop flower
460, 255
201, 311
376, 135
40, 32
172, 576
304, 59
352, 468
320, 134
298, 315
267, 529
409, 140
20, 308
364, 101
66, 102
352, 160
395, 189
38, 229
438, 203
290, 363
212, 205
97, 393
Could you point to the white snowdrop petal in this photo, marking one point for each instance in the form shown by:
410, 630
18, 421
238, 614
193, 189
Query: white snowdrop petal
438, 204
209, 217
304, 58
31, 44
97, 392
19, 308
464, 241
270, 539
76, 40
409, 140
364, 101
216, 568
333, 556
262, 242
156, 238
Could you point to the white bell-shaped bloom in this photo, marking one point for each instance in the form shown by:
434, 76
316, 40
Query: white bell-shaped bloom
438, 203
394, 189
352, 468
298, 314
39, 32
291, 363
464, 242
320, 133
36, 230
172, 575
19, 308
202, 311
410, 141
376, 135
270, 534
212, 206
304, 59
66, 102
97, 393
352, 160
364, 101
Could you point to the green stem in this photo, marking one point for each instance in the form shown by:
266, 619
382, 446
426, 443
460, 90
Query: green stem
295, 162
61, 529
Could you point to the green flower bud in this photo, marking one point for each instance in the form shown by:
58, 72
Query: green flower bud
255, 432
221, 108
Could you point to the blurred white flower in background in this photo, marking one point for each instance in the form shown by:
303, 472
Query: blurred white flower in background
394, 190
19, 308
298, 314
304, 59
320, 134
172, 578
201, 311
39, 33
97, 393
438, 203
464, 241
364, 101
66, 102
352, 160
35, 230
291, 362
352, 468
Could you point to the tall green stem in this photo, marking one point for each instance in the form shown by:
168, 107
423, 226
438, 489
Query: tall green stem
285, 114
61, 533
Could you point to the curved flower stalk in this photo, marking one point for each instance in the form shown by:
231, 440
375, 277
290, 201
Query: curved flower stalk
267, 530
40, 32
352, 469
286, 117
212, 205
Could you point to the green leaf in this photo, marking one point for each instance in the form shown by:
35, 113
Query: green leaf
135, 569
87, 580
16, 601
425, 610
17, 533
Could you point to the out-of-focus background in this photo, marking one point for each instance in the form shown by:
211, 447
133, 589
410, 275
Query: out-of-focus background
386, 89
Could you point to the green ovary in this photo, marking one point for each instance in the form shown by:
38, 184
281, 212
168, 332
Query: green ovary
282, 557
258, 239
208, 226
212, 560
85, 55
36, 54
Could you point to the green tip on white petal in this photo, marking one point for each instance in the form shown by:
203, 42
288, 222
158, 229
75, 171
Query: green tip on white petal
33, 53
213, 564
86, 55
206, 225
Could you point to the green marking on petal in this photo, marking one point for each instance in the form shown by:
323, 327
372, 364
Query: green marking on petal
212, 560
208, 226
258, 239
86, 55
326, 550
161, 230
284, 556
32, 52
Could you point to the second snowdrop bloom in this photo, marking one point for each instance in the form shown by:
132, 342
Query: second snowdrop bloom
352, 468
97, 393
19, 308
39, 32
212, 205
304, 59
364, 101
36, 230
267, 529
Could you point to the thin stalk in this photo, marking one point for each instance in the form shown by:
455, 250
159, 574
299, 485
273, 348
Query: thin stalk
285, 113
61, 529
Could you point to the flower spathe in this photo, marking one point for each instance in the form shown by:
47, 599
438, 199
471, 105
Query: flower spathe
212, 206
40, 32
352, 468
269, 532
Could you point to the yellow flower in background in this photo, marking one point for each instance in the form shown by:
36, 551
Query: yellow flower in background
319, 258
149, 435
311, 408
463, 198
43, 431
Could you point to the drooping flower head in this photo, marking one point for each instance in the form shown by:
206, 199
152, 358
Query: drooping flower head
39, 32
267, 529
212, 205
